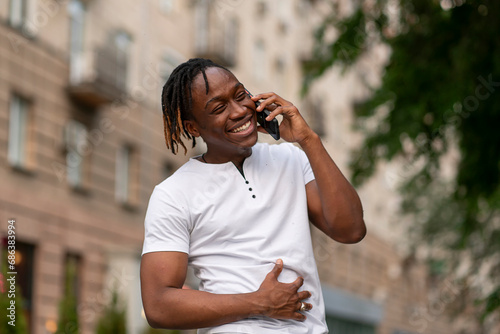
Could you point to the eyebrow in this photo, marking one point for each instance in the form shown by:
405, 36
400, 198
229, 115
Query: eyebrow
217, 98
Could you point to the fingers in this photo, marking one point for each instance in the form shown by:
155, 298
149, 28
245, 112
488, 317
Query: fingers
263, 96
268, 99
284, 299
275, 104
269, 107
307, 306
278, 268
299, 316
297, 283
280, 110
303, 295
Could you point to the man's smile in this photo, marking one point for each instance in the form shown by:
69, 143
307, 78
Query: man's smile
242, 128
245, 127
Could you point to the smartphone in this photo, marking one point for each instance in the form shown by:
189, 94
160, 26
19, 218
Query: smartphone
272, 127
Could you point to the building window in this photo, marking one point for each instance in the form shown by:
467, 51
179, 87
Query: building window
111, 66
126, 174
169, 62
72, 282
68, 310
316, 117
259, 64
281, 82
340, 325
215, 33
285, 13
71, 278
17, 13
75, 137
261, 9
349, 313
230, 40
124, 263
201, 20
19, 132
77, 14
122, 174
122, 42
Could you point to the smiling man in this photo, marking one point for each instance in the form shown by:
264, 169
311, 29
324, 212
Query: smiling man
239, 213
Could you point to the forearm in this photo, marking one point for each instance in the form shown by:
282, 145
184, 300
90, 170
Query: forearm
340, 203
187, 309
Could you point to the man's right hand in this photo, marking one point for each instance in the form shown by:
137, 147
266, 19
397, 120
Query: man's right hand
282, 300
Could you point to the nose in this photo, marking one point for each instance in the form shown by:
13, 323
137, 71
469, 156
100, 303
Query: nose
238, 110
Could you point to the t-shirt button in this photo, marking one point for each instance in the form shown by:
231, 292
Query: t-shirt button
253, 196
247, 182
250, 189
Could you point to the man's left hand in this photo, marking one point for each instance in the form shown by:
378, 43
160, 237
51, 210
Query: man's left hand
293, 127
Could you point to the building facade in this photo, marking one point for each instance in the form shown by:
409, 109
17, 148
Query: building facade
81, 148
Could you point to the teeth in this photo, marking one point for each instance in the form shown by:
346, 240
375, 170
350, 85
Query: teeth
242, 128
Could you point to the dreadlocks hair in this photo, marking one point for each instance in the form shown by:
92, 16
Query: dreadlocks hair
177, 100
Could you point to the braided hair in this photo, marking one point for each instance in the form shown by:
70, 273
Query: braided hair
177, 100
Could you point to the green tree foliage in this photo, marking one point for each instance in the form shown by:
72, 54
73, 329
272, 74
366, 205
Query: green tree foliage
113, 319
68, 315
440, 89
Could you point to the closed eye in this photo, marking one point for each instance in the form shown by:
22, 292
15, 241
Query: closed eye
220, 108
241, 96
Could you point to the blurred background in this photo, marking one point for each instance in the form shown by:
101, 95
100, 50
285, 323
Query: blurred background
403, 93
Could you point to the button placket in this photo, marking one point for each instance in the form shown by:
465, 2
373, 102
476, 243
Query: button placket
250, 188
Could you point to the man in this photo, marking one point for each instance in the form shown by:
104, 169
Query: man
239, 214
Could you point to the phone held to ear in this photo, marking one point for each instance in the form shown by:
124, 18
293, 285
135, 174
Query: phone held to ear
272, 127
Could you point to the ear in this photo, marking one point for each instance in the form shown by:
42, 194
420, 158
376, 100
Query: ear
191, 128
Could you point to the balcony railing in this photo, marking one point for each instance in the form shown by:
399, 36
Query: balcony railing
99, 77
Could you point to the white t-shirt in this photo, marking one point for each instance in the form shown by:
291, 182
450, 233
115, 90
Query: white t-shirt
235, 227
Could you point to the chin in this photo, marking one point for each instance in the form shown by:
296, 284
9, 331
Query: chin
253, 139
248, 141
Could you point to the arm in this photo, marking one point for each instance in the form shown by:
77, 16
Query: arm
167, 305
333, 204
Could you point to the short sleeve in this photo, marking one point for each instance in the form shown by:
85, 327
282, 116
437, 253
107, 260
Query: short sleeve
166, 223
306, 166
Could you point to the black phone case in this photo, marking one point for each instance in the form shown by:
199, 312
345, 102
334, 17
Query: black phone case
272, 127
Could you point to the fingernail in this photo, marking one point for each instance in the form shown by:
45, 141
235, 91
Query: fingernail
279, 261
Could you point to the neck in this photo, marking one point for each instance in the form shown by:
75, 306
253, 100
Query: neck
236, 159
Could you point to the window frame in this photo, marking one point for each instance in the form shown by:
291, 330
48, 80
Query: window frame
338, 324
76, 150
20, 144
77, 14
259, 62
127, 176
18, 13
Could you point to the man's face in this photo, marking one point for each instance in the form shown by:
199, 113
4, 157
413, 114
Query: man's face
225, 117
